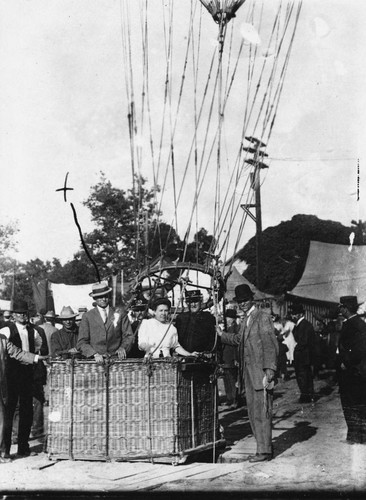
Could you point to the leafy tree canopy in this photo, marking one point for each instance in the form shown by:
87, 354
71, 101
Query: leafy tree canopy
285, 249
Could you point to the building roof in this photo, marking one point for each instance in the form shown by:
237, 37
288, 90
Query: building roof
332, 271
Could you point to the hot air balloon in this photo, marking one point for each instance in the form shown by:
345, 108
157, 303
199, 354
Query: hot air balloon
222, 10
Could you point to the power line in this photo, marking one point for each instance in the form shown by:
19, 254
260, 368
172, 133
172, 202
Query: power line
312, 159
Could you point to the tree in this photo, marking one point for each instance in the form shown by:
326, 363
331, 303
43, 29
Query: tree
285, 248
202, 242
128, 229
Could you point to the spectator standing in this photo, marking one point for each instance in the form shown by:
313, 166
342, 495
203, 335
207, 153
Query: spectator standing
20, 378
102, 331
64, 341
303, 354
48, 326
288, 339
7, 349
258, 353
352, 370
230, 361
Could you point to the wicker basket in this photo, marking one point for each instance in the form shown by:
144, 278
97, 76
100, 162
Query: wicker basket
131, 410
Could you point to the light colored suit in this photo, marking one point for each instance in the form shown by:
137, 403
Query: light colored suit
97, 337
258, 351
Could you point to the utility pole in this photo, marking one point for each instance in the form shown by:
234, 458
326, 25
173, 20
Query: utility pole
256, 161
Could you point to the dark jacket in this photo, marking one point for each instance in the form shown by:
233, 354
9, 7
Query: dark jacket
352, 345
305, 337
196, 331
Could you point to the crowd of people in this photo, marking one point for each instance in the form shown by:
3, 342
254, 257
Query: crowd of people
254, 347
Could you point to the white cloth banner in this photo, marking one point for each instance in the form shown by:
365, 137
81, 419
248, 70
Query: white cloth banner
74, 296
5, 305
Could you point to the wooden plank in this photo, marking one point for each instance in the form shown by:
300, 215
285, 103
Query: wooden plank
168, 474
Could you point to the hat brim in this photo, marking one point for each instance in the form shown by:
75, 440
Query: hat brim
95, 295
67, 317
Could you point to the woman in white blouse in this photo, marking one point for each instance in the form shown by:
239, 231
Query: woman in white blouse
157, 336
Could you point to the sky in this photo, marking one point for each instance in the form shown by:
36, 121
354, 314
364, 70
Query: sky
63, 109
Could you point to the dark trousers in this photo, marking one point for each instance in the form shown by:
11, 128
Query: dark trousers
353, 398
304, 378
2, 426
260, 404
230, 379
19, 389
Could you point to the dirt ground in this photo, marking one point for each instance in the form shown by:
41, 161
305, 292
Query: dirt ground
311, 459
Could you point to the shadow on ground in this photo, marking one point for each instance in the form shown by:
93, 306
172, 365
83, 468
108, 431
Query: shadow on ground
302, 431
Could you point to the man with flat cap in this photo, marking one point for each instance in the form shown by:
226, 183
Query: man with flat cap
304, 336
258, 353
103, 331
352, 370
196, 328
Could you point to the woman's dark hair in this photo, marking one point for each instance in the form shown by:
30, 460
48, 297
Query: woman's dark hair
159, 302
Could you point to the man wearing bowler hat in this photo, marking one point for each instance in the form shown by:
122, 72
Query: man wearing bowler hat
258, 352
196, 328
304, 336
103, 331
352, 370
20, 378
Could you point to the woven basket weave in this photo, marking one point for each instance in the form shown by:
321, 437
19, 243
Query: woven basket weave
129, 409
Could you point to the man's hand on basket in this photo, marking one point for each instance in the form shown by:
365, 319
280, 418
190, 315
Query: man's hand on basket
98, 358
73, 350
121, 353
43, 358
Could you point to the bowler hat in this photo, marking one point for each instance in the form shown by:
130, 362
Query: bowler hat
100, 289
243, 293
231, 313
20, 306
297, 309
349, 301
193, 296
67, 313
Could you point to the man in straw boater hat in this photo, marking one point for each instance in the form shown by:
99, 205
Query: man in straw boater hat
102, 331
20, 378
258, 353
64, 341
304, 336
352, 370
196, 328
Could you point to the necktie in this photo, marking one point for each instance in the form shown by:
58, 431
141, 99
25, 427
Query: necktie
104, 315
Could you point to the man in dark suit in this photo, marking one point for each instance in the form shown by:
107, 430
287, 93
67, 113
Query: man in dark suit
258, 353
352, 370
196, 328
64, 341
20, 378
102, 331
304, 335
7, 349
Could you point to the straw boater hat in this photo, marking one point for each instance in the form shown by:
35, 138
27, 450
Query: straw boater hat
67, 313
100, 289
